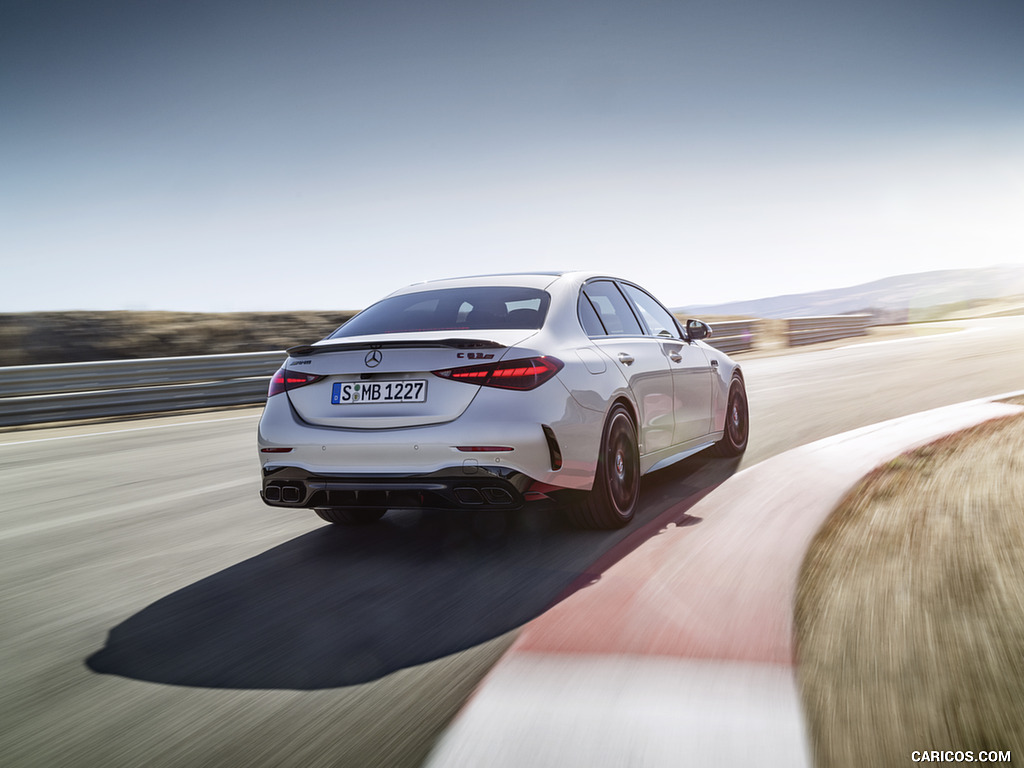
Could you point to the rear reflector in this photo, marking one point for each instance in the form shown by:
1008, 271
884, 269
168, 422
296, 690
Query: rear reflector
285, 380
483, 448
523, 374
276, 450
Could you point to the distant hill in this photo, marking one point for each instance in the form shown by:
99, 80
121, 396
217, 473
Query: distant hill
892, 299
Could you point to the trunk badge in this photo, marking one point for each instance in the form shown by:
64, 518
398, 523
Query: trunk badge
373, 358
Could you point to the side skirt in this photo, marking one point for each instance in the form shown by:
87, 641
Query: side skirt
670, 456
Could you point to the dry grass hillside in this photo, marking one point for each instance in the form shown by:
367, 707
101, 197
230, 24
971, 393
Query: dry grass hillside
910, 609
68, 337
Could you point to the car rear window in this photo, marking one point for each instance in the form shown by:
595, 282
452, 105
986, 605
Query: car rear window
451, 309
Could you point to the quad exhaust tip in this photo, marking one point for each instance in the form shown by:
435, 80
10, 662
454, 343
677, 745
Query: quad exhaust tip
471, 496
289, 494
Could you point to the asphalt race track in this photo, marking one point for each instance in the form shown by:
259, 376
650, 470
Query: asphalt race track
156, 613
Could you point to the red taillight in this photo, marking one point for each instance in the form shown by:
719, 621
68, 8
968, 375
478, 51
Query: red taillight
285, 380
523, 374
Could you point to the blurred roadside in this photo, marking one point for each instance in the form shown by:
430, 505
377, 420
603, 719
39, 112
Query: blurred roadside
33, 338
771, 340
770, 337
910, 608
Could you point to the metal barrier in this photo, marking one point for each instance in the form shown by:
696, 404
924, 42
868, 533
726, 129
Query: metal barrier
31, 394
734, 335
811, 330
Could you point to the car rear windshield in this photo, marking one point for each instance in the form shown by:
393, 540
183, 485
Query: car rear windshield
451, 309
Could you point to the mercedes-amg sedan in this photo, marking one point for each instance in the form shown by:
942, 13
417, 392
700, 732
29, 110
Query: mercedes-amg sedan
494, 391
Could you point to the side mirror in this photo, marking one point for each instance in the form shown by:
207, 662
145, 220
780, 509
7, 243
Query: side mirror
697, 330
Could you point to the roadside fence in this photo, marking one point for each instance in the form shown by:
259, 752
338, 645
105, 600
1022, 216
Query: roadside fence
31, 394
811, 330
734, 335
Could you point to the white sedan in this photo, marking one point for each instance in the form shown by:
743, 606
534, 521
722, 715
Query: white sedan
494, 391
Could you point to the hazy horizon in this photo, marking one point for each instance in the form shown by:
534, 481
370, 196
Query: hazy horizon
702, 306
225, 157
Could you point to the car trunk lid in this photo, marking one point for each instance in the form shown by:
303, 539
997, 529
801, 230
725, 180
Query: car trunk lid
383, 382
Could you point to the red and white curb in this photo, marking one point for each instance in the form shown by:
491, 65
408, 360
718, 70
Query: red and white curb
682, 652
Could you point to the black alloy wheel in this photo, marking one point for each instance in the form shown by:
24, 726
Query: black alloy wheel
612, 502
737, 422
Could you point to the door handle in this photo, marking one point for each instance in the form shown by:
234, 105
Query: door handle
625, 359
675, 357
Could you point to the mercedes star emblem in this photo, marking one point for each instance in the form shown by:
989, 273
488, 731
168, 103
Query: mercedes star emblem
373, 358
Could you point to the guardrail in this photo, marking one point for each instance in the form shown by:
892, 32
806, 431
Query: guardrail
31, 394
811, 330
734, 335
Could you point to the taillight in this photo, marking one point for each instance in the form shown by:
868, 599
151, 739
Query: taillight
523, 374
285, 380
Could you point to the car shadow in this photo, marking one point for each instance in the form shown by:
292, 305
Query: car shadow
343, 606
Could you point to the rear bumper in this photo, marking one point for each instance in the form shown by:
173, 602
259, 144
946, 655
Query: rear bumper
430, 449
450, 488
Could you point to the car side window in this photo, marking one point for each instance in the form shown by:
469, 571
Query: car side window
612, 309
657, 318
588, 317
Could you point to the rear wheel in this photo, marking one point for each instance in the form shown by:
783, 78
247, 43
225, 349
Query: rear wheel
612, 502
345, 516
737, 423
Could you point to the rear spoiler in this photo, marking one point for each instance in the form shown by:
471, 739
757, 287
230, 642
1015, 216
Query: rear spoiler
305, 350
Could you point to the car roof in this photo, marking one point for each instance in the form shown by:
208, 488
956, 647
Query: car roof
540, 280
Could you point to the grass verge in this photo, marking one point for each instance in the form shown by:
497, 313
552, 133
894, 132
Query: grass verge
910, 607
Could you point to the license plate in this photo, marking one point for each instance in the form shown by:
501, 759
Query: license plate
402, 391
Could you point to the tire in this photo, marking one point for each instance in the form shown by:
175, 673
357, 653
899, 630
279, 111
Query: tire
612, 502
355, 516
737, 422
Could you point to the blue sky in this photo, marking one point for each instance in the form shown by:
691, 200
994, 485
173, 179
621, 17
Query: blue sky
287, 155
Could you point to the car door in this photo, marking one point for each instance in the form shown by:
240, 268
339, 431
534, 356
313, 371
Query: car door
619, 335
692, 379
